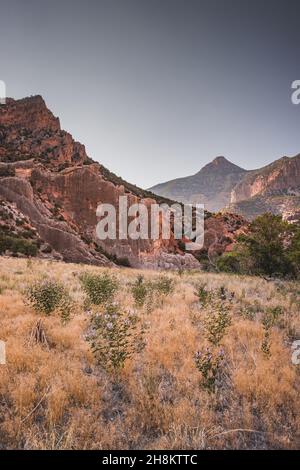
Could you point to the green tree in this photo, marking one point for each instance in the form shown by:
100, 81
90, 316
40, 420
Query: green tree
267, 245
294, 250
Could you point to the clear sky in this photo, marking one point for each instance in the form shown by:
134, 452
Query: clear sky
156, 89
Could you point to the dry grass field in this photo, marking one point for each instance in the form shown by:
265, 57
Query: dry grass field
55, 395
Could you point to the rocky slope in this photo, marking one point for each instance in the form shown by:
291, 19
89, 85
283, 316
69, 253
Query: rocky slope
48, 181
274, 188
220, 185
50, 190
211, 186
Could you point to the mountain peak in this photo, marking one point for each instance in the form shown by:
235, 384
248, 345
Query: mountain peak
30, 113
221, 164
220, 159
212, 185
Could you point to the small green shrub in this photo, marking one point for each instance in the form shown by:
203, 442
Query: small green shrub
47, 296
99, 288
269, 319
216, 322
139, 291
248, 311
115, 336
224, 294
209, 364
163, 285
204, 295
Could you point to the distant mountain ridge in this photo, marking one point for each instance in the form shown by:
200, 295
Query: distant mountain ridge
212, 185
221, 185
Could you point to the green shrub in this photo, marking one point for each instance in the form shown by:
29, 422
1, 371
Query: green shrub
99, 288
269, 319
294, 251
204, 295
209, 364
139, 291
150, 293
47, 296
115, 336
163, 285
216, 322
229, 262
17, 245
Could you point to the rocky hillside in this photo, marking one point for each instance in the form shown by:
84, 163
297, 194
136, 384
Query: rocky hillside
211, 186
220, 184
49, 192
274, 188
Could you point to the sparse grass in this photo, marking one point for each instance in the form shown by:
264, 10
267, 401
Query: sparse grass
58, 397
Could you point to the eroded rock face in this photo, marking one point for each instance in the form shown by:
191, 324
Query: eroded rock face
274, 188
30, 113
282, 175
49, 178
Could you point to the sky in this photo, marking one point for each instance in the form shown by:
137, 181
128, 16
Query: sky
156, 89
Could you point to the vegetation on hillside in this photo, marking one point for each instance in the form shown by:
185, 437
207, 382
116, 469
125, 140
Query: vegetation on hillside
271, 247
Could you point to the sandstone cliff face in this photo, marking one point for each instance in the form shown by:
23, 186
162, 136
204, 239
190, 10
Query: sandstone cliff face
49, 179
274, 188
282, 175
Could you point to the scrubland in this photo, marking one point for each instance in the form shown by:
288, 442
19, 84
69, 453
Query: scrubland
55, 394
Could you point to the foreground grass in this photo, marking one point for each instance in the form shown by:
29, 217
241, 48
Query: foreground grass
55, 396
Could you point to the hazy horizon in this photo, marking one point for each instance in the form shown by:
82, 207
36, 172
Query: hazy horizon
156, 90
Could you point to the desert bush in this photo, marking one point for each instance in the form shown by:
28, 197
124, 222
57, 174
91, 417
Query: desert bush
248, 310
204, 295
99, 288
150, 293
115, 336
216, 322
294, 252
139, 291
17, 245
209, 364
207, 297
229, 262
224, 294
164, 285
270, 318
47, 295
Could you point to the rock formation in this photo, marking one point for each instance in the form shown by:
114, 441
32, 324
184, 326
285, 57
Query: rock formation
274, 188
48, 181
221, 185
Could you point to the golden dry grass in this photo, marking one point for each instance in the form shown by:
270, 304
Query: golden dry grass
58, 398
